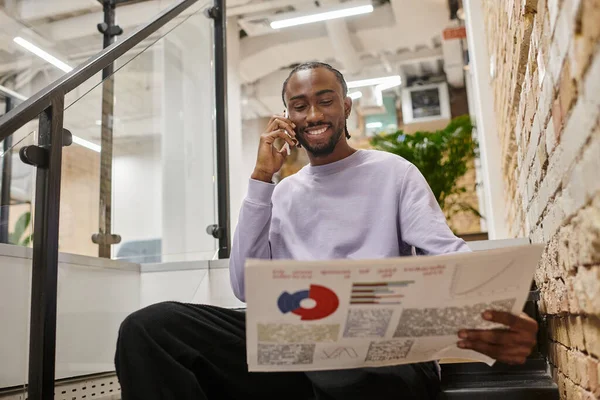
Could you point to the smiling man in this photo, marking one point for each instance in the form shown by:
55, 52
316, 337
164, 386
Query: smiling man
347, 203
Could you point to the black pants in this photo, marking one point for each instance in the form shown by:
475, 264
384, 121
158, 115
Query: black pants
185, 351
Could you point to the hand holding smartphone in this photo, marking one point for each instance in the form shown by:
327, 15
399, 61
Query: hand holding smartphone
269, 159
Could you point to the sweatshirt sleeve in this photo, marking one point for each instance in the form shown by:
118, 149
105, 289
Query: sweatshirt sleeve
422, 222
251, 239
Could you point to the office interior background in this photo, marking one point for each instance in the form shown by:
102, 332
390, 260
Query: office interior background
135, 224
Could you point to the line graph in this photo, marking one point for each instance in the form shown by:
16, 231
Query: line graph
339, 352
482, 280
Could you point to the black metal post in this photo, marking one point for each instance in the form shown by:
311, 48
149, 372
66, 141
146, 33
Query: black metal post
220, 53
104, 237
42, 333
6, 181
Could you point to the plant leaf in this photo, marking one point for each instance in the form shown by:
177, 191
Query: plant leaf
27, 240
21, 227
443, 156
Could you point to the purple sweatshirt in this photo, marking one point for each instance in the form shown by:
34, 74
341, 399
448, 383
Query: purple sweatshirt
371, 204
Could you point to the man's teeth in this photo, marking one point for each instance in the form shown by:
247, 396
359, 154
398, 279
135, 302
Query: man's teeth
317, 131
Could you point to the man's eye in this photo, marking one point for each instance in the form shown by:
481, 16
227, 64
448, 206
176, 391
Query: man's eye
327, 102
299, 108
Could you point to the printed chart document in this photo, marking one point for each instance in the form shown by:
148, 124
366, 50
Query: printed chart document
321, 315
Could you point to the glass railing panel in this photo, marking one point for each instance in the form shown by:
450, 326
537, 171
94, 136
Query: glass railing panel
163, 167
17, 182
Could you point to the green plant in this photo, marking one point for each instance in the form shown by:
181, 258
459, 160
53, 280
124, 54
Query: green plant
443, 157
16, 237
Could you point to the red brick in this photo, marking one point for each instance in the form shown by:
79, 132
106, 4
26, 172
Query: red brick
563, 358
586, 228
559, 379
551, 139
571, 390
597, 390
553, 8
565, 235
546, 99
557, 117
591, 332
563, 33
567, 90
573, 367
587, 288
575, 328
574, 307
587, 34
561, 334
585, 394
552, 358
582, 184
528, 7
592, 374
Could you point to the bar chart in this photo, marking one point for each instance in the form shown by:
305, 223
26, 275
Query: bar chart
378, 293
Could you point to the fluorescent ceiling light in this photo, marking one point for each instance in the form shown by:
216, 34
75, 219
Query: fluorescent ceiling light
374, 125
388, 85
76, 139
323, 16
386, 80
12, 93
85, 143
355, 95
42, 54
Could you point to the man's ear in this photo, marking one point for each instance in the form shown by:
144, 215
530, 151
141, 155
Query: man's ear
347, 106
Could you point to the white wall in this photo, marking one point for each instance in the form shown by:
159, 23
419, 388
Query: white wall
137, 192
251, 130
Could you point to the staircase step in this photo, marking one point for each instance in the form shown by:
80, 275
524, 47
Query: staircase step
470, 381
542, 388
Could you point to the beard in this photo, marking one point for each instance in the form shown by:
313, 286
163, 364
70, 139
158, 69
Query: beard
324, 149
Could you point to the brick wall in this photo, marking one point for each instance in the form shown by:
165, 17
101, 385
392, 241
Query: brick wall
547, 98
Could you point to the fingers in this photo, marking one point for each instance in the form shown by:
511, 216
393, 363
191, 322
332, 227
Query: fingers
516, 322
509, 355
278, 122
499, 337
270, 137
285, 150
511, 346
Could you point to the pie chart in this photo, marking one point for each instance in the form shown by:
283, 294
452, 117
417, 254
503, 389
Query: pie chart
326, 302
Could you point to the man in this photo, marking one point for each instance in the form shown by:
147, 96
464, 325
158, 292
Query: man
346, 204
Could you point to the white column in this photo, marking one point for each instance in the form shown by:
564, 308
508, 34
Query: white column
489, 142
481, 195
238, 178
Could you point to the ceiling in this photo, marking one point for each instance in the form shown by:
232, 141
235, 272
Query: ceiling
401, 37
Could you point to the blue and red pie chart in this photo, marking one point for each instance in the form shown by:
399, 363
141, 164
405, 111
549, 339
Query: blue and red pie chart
325, 303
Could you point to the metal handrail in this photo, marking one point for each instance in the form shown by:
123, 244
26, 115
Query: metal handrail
36, 104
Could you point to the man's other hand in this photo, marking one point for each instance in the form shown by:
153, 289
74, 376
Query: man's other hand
510, 346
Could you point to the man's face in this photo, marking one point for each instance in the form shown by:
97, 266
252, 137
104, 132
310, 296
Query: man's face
319, 109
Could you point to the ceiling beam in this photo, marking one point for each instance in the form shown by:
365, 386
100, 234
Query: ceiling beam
264, 6
343, 49
32, 10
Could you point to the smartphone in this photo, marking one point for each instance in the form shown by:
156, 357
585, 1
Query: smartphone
286, 145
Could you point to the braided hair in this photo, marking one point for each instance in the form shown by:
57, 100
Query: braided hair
314, 65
